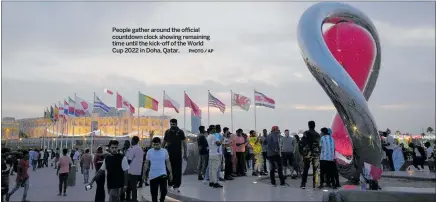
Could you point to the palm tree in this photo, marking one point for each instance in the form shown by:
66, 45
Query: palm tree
430, 130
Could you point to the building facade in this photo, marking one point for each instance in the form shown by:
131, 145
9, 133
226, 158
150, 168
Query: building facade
82, 126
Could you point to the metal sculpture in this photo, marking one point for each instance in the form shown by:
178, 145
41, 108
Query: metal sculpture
358, 145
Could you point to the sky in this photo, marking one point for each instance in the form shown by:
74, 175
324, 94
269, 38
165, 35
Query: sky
52, 50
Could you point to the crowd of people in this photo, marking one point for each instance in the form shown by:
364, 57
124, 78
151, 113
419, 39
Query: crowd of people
420, 154
240, 153
159, 164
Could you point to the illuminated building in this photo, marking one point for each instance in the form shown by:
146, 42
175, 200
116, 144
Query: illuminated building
81, 126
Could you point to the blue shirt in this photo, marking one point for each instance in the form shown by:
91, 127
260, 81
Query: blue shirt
327, 148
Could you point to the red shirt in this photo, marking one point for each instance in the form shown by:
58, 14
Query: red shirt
23, 166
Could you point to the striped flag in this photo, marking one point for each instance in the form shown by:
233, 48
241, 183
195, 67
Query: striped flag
100, 105
214, 102
65, 108
170, 103
71, 106
61, 110
262, 100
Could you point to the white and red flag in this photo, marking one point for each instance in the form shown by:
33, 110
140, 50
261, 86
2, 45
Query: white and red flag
124, 103
170, 103
190, 104
82, 107
241, 101
261, 99
108, 91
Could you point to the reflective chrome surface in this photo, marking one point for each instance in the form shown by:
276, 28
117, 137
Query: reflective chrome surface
349, 101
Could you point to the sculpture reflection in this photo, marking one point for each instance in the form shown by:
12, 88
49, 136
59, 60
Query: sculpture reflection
354, 42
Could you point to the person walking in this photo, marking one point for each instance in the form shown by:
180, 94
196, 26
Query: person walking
310, 151
62, 171
75, 158
288, 149
175, 141
274, 156
22, 179
86, 162
116, 166
100, 194
159, 166
135, 157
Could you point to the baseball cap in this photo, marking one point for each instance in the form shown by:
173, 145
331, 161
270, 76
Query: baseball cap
274, 128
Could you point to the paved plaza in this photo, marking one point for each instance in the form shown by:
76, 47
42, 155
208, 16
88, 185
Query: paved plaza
44, 187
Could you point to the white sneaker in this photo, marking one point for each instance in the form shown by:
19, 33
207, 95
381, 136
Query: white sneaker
176, 190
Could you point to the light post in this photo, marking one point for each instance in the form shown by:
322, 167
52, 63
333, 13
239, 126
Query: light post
19, 143
7, 136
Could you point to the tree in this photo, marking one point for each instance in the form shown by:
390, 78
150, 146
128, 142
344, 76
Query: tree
430, 130
422, 134
397, 132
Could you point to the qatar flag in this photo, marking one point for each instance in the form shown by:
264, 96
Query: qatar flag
82, 107
123, 103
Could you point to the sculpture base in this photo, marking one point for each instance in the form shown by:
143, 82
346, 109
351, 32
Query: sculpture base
403, 195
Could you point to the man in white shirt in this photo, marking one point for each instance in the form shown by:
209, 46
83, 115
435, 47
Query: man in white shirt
76, 159
214, 160
116, 166
135, 156
157, 159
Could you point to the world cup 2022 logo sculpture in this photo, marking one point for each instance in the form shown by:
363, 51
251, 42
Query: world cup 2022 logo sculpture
345, 60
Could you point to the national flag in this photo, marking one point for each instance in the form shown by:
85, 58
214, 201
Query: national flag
47, 114
56, 113
241, 101
214, 102
71, 106
108, 91
65, 108
190, 104
170, 103
61, 110
100, 105
82, 107
148, 102
51, 112
123, 103
261, 99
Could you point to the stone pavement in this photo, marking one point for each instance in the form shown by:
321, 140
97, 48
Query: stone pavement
241, 189
43, 186
258, 188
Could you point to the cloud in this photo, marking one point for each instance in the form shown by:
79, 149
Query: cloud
313, 107
68, 50
406, 36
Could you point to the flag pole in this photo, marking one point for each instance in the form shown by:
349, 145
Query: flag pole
163, 114
93, 132
208, 113
139, 106
57, 129
231, 110
255, 120
184, 111
72, 139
